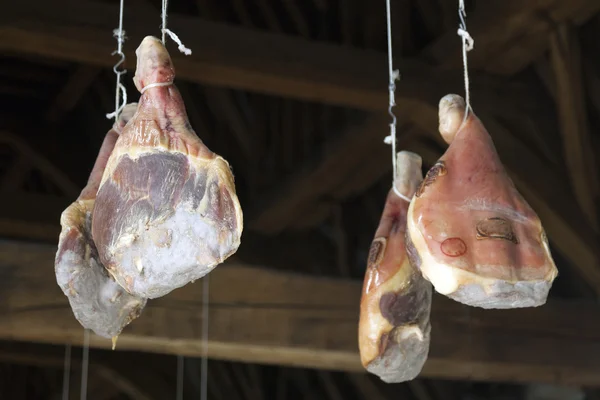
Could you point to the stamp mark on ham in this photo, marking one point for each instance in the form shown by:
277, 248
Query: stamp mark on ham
439, 169
496, 228
376, 252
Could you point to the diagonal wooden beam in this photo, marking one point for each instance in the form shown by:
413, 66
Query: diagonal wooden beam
565, 54
509, 34
332, 164
70, 94
230, 56
40, 163
290, 319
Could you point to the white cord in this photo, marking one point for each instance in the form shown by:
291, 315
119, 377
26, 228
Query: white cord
120, 35
467, 45
172, 35
176, 39
85, 363
394, 75
157, 84
403, 197
67, 373
205, 316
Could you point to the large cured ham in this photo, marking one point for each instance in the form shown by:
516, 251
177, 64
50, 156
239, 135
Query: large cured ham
97, 301
471, 233
394, 328
167, 212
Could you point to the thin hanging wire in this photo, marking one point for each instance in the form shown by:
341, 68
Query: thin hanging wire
67, 373
85, 363
467, 45
120, 35
205, 315
394, 75
180, 366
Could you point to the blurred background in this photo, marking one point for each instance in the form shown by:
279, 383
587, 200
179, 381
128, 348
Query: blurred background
294, 95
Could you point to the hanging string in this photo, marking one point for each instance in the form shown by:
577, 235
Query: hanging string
394, 75
85, 363
205, 315
67, 373
120, 35
172, 35
157, 84
467, 45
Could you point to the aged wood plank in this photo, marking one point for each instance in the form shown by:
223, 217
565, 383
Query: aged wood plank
574, 124
290, 319
68, 97
509, 34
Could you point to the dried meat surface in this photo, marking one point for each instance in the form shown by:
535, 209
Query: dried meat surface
471, 233
167, 212
97, 301
394, 327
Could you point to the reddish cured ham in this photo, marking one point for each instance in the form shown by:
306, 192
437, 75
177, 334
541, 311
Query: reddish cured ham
97, 301
167, 212
471, 233
394, 328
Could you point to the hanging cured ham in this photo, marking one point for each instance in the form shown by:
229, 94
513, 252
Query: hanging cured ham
471, 233
97, 301
394, 328
167, 212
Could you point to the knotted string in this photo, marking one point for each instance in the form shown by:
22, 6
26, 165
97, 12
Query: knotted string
467, 45
394, 75
120, 35
157, 84
172, 35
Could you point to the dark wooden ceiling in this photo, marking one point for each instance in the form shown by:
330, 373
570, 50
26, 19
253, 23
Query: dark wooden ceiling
293, 95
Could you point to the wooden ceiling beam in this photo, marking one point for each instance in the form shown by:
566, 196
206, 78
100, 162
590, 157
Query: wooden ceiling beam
39, 162
234, 57
295, 320
66, 100
279, 208
565, 55
135, 375
509, 34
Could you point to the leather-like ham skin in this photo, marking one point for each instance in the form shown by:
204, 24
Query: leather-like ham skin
394, 328
471, 233
97, 301
167, 212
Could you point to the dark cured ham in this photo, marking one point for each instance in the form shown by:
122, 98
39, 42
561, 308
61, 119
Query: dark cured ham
97, 301
167, 212
471, 232
394, 328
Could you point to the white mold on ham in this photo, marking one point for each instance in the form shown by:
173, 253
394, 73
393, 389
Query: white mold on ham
97, 301
167, 212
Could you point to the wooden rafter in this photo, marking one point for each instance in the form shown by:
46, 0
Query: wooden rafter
509, 34
574, 125
134, 375
39, 162
232, 57
77, 85
291, 319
